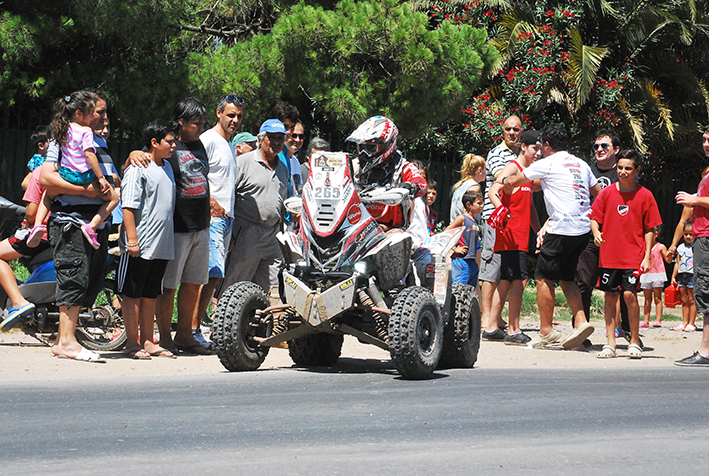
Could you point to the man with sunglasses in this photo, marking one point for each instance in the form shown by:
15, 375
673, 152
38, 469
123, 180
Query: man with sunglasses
221, 177
605, 148
289, 116
295, 143
260, 189
490, 263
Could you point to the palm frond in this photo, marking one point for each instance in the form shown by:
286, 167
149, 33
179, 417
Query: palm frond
705, 94
636, 126
584, 62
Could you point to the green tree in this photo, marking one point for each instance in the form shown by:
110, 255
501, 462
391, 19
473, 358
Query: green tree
340, 66
636, 66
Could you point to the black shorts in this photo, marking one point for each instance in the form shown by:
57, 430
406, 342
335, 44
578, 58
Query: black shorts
514, 265
559, 256
140, 278
612, 279
21, 247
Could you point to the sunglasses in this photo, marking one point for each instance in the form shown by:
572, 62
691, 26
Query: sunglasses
238, 100
516, 129
602, 145
298, 136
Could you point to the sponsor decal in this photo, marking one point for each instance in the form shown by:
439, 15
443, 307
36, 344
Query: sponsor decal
346, 284
291, 283
430, 270
327, 180
623, 210
354, 214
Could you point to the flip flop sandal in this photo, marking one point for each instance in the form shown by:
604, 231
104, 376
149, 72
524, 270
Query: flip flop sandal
635, 352
163, 353
608, 352
85, 355
133, 354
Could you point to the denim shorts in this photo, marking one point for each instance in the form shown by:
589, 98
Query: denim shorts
685, 280
465, 271
219, 239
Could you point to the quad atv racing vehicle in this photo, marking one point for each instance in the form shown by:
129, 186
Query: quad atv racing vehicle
345, 275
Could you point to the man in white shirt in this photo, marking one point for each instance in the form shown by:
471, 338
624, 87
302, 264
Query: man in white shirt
222, 181
568, 184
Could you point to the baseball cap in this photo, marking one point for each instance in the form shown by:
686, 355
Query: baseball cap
273, 126
242, 137
530, 137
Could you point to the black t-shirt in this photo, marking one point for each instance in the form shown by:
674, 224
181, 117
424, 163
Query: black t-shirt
605, 177
190, 166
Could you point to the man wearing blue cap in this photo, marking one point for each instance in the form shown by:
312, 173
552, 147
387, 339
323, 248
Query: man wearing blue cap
261, 182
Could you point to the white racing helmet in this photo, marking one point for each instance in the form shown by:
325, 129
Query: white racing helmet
375, 139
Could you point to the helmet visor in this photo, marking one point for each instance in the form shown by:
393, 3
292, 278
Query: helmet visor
369, 149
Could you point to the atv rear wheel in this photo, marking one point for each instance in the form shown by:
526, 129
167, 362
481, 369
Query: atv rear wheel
461, 336
316, 350
415, 333
236, 325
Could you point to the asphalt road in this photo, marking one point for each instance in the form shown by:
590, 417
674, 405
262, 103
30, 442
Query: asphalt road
627, 421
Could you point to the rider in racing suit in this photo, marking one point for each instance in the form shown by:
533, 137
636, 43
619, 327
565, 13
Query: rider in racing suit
380, 163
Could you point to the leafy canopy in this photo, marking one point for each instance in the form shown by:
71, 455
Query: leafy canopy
340, 66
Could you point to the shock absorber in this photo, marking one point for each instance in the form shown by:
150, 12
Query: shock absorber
380, 325
280, 323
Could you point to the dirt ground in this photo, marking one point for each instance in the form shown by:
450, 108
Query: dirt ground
25, 359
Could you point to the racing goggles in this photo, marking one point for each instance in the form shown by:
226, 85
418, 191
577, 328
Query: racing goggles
370, 149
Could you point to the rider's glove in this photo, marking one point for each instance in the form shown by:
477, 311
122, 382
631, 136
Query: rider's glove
497, 218
411, 187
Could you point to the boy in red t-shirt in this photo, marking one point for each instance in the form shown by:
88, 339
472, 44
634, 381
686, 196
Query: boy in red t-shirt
627, 212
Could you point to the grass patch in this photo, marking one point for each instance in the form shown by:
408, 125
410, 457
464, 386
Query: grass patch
562, 311
19, 269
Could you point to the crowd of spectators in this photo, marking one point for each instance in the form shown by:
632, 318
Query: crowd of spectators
200, 210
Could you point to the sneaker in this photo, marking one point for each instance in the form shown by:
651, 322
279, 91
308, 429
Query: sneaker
578, 336
207, 344
15, 316
644, 325
690, 328
695, 360
619, 332
90, 236
552, 337
35, 236
496, 335
519, 338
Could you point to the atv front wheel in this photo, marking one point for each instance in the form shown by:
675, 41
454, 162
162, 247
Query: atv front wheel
236, 325
415, 333
461, 336
316, 350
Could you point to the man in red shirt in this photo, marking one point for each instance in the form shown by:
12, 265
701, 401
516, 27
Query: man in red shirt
700, 248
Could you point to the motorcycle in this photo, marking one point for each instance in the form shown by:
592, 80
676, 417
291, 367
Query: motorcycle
100, 328
345, 275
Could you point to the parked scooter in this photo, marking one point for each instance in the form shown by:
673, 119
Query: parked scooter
99, 328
